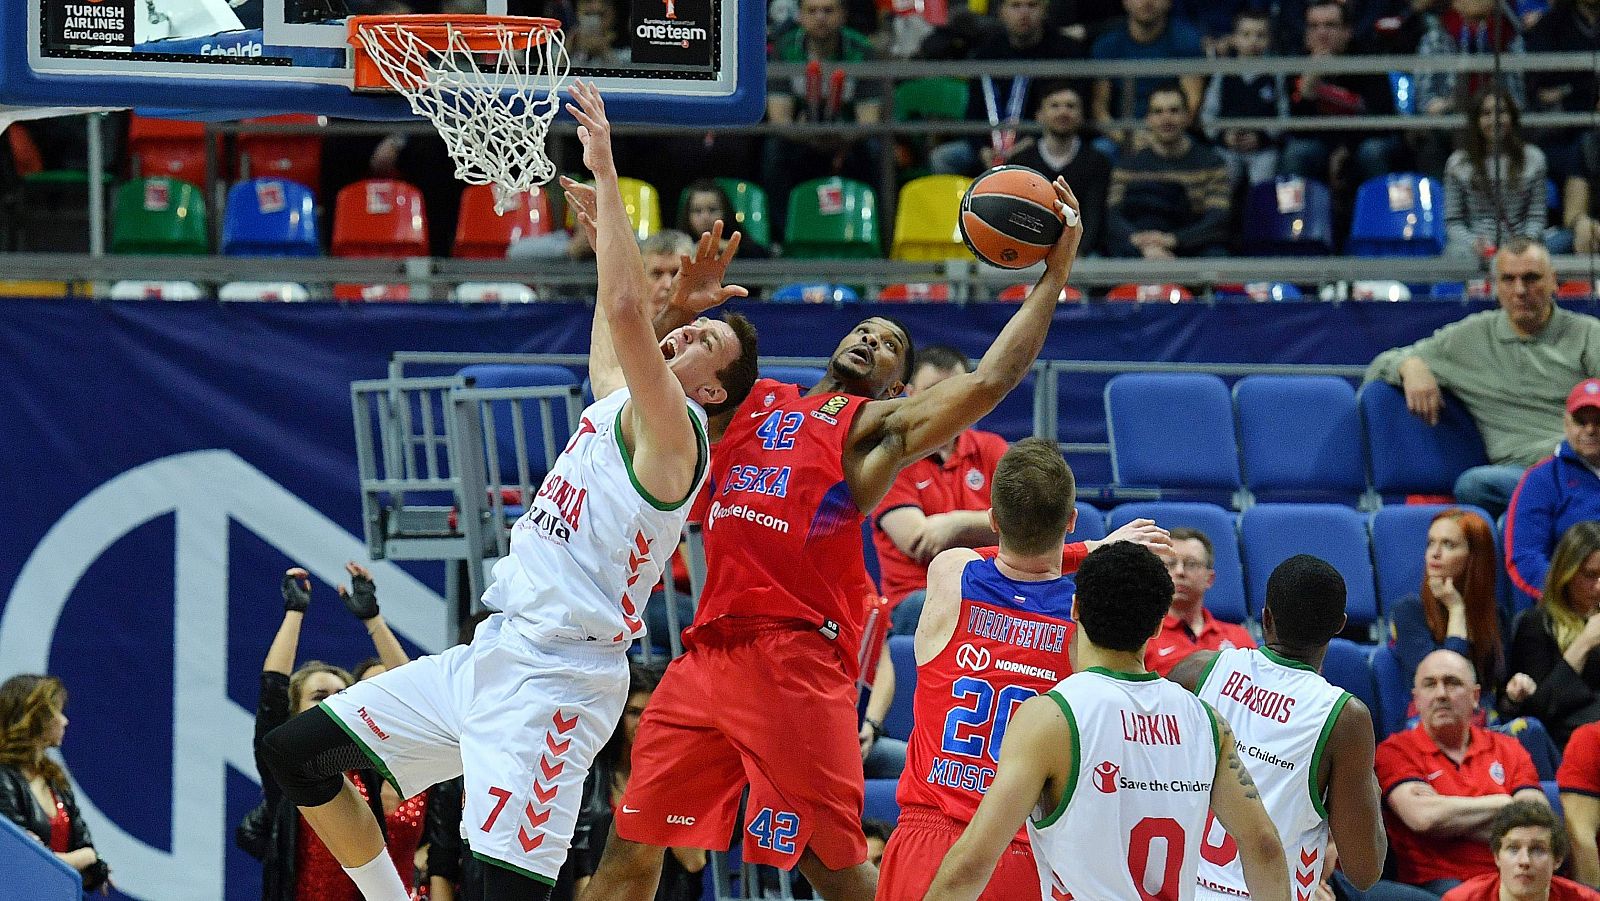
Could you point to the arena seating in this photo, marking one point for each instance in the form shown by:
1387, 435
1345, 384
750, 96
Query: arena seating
903, 653
1407, 455
815, 293
1394, 691
1272, 533
1348, 666
1288, 216
927, 219
832, 217
287, 156
1319, 454
750, 210
167, 147
531, 428
159, 215
379, 217
642, 202
1091, 524
1399, 543
880, 801
1149, 415
270, 217
483, 234
1226, 599
1401, 214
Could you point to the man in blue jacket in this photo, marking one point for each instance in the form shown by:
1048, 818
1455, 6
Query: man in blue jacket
1556, 492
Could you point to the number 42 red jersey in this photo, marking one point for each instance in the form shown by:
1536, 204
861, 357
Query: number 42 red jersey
782, 532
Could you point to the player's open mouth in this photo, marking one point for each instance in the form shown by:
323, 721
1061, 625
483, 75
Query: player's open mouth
861, 352
669, 348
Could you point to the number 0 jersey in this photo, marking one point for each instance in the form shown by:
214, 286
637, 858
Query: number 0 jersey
1132, 816
590, 547
782, 533
1281, 712
1010, 643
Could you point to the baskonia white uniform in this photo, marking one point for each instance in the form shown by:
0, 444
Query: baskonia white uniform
1132, 815
525, 707
1282, 712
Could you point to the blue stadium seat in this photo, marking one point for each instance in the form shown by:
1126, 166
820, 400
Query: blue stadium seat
1348, 666
1225, 600
903, 653
1394, 692
815, 292
1272, 533
1407, 455
498, 375
880, 803
1172, 431
1288, 216
1319, 453
1400, 214
804, 376
270, 217
1399, 542
1091, 524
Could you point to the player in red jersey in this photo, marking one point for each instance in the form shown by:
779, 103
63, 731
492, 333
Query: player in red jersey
765, 694
994, 632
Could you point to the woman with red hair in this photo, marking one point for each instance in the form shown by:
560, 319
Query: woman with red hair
1455, 609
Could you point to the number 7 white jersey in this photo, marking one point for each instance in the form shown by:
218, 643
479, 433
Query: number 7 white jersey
1131, 818
1281, 712
591, 546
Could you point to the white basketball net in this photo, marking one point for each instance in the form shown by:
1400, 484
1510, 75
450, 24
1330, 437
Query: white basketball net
492, 107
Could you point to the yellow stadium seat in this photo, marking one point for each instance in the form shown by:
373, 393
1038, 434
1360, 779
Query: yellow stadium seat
643, 203
926, 219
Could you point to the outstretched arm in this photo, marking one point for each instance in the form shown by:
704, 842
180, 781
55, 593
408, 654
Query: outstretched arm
699, 286
664, 442
605, 373
296, 598
893, 433
361, 599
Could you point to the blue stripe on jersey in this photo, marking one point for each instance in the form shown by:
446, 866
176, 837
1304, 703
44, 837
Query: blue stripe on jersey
982, 581
836, 510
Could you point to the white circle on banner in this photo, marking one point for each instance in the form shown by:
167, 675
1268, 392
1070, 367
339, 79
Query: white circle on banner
204, 490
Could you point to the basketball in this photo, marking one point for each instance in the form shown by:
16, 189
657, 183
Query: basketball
1009, 218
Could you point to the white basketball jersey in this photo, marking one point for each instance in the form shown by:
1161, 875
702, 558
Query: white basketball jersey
1131, 818
1281, 712
591, 545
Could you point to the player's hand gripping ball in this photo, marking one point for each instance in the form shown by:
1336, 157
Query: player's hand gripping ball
1009, 217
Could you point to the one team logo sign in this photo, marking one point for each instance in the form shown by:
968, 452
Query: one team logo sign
673, 32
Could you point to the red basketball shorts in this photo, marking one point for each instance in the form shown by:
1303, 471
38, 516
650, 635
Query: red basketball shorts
767, 707
918, 846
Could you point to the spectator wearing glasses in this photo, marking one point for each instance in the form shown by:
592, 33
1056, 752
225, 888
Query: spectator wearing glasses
1189, 626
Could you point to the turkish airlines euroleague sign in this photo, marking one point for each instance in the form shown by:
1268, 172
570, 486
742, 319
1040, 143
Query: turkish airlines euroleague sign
673, 32
94, 23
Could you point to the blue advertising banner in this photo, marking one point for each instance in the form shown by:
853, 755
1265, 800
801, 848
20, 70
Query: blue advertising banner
164, 463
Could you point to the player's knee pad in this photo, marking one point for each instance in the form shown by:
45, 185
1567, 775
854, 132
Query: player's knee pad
309, 755
501, 884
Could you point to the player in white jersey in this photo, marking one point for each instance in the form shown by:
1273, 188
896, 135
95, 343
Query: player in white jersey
1307, 744
522, 710
1116, 765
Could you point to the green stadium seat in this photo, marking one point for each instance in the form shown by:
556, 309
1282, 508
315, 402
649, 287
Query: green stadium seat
930, 98
832, 217
160, 215
749, 209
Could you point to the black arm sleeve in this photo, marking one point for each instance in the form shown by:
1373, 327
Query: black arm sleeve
442, 831
272, 711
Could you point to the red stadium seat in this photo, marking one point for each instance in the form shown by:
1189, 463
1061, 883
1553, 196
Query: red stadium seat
920, 292
1575, 288
482, 234
380, 217
168, 147
1019, 293
1168, 293
293, 157
371, 292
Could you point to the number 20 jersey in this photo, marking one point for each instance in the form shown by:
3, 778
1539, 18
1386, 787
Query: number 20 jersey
782, 531
1010, 643
1133, 813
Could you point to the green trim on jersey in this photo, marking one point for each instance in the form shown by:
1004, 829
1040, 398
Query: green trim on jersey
1216, 730
1122, 676
1072, 775
377, 762
701, 448
495, 861
1281, 660
1317, 801
1205, 674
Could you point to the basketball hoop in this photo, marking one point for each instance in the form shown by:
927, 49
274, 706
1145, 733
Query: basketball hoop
488, 83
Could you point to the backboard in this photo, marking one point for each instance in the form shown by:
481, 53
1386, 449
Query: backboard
691, 62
